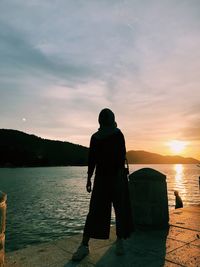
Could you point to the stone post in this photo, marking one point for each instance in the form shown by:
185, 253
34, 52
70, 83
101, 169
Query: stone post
149, 200
3, 198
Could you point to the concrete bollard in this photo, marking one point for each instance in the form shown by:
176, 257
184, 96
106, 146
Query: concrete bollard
149, 200
3, 198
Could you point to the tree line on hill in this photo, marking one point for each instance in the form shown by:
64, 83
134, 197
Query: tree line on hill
18, 149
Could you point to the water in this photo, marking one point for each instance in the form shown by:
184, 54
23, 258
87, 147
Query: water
49, 203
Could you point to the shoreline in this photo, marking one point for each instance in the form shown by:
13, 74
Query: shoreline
179, 247
57, 166
71, 235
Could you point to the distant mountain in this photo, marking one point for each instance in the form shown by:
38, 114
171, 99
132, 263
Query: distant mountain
18, 149
143, 157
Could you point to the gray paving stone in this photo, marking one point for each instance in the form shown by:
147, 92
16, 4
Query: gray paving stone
165, 264
67, 244
130, 259
69, 263
43, 255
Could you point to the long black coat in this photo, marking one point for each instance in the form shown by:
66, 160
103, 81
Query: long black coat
107, 155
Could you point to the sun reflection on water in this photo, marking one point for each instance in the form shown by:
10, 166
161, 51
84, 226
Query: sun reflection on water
179, 177
179, 172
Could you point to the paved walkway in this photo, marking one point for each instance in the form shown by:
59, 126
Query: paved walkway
180, 246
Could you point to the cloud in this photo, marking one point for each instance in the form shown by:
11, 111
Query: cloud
20, 59
62, 61
191, 131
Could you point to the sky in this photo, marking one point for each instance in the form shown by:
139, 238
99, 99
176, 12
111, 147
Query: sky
63, 61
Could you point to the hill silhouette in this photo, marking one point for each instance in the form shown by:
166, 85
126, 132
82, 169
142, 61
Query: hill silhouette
20, 149
143, 157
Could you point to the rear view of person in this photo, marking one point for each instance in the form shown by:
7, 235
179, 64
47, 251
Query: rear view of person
178, 200
107, 155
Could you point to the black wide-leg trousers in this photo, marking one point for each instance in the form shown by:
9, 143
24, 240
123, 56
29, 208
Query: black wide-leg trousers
108, 191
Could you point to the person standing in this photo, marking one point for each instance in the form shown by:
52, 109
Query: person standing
107, 154
178, 200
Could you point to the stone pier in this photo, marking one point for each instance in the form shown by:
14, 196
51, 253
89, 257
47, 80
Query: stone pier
180, 246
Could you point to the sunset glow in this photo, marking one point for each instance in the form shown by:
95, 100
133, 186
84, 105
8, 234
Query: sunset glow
176, 146
61, 65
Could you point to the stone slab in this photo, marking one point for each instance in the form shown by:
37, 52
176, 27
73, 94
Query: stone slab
182, 234
187, 255
43, 255
188, 217
196, 242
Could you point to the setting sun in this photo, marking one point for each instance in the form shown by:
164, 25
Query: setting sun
177, 146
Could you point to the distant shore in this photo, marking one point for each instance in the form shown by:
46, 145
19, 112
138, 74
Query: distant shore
19, 149
54, 166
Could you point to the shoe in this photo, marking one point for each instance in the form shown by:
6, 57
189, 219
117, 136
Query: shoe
119, 249
81, 253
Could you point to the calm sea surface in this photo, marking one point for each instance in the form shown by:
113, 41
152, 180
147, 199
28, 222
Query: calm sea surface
50, 203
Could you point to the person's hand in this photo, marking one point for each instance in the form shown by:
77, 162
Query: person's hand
89, 186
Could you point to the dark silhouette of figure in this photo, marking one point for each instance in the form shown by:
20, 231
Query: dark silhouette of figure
178, 200
107, 154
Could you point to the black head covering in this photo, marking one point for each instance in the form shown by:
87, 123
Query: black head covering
107, 118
